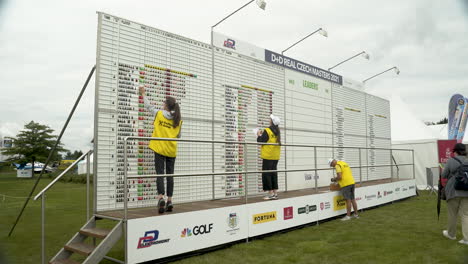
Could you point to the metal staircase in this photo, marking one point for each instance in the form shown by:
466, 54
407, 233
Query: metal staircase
81, 244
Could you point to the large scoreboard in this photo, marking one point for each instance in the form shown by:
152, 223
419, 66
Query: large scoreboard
224, 101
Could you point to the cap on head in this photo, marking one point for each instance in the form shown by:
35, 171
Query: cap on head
459, 147
330, 161
276, 120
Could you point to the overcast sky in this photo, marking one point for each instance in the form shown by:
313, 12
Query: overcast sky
47, 48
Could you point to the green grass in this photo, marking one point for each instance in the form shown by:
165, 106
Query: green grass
403, 232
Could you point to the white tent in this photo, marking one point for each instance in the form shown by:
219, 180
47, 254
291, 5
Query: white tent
82, 165
409, 132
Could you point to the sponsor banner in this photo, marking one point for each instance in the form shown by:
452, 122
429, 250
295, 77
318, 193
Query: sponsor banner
303, 67
237, 46
445, 148
463, 121
456, 110
162, 236
264, 217
289, 213
407, 189
339, 203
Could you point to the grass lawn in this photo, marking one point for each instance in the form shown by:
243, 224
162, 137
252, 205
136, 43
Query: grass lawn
403, 232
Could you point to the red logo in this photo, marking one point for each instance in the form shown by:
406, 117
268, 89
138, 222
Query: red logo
288, 212
321, 206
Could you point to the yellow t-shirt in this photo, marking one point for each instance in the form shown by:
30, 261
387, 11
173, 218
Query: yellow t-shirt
163, 129
346, 174
270, 152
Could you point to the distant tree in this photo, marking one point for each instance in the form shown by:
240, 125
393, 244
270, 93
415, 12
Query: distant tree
34, 143
442, 121
73, 156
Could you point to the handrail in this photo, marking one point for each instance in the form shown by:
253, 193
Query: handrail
60, 176
254, 143
252, 172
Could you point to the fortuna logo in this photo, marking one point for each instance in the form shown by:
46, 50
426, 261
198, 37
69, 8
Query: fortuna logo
197, 230
264, 217
230, 43
186, 232
150, 238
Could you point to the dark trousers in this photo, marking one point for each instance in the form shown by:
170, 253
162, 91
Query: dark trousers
160, 161
270, 179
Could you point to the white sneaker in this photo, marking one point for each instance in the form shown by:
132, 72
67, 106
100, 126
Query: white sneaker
346, 218
268, 197
463, 241
446, 234
356, 216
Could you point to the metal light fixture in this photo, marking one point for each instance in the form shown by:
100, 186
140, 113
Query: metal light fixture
366, 55
363, 53
395, 68
321, 31
261, 4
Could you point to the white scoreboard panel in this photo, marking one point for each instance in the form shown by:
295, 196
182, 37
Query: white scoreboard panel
247, 91
349, 120
379, 136
309, 122
362, 120
250, 83
131, 55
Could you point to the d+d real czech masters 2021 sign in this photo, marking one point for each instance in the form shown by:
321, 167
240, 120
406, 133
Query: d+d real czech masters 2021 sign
290, 63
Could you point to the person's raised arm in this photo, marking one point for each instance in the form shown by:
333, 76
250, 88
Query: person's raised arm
151, 108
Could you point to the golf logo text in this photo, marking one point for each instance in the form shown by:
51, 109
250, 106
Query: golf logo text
306, 209
339, 203
232, 222
264, 217
230, 43
197, 230
150, 238
288, 213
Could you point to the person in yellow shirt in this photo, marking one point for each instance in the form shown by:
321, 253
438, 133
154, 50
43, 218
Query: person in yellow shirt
167, 124
270, 155
345, 179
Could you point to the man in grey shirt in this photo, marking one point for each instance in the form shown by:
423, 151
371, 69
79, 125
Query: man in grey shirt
457, 200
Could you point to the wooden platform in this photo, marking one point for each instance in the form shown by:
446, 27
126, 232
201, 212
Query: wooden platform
135, 213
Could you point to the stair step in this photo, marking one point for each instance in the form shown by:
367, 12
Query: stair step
95, 232
80, 248
64, 261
